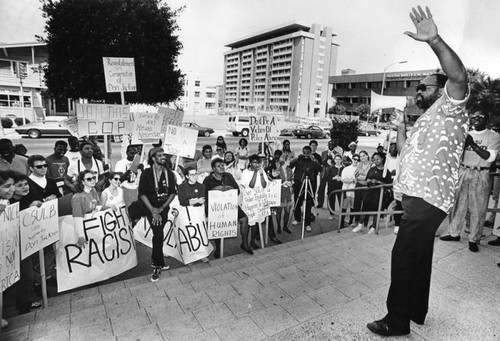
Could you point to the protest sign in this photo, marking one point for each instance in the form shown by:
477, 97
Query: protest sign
180, 141
190, 234
255, 204
9, 240
103, 119
119, 74
39, 227
273, 190
110, 249
496, 231
223, 214
71, 124
171, 117
147, 127
263, 129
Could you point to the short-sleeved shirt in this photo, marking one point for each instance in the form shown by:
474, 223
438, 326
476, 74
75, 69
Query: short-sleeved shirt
431, 155
57, 167
83, 203
486, 139
123, 166
78, 166
18, 164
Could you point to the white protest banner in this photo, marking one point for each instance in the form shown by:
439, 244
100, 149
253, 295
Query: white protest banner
71, 124
9, 239
119, 74
110, 249
273, 190
103, 119
147, 127
191, 234
180, 141
39, 227
255, 205
496, 231
170, 117
263, 129
223, 214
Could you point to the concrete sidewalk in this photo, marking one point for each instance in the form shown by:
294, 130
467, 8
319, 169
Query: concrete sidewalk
325, 287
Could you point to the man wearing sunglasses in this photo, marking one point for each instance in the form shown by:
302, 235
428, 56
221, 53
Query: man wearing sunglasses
427, 178
9, 160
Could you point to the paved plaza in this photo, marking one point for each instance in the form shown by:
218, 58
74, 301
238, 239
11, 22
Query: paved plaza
325, 287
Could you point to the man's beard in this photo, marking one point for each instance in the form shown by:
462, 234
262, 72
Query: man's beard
426, 103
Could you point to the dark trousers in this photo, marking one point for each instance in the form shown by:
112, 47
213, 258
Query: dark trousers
397, 217
411, 263
358, 203
300, 198
321, 189
333, 187
158, 235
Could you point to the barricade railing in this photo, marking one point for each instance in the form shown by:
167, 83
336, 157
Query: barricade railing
379, 212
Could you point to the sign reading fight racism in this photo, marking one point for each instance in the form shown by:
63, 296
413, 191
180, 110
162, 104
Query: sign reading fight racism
263, 129
170, 117
147, 127
39, 227
119, 74
110, 249
180, 141
222, 214
273, 190
103, 119
255, 204
9, 239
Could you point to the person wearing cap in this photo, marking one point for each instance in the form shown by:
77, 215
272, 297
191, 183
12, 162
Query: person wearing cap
427, 178
352, 150
481, 149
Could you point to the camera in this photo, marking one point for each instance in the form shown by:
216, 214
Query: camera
162, 196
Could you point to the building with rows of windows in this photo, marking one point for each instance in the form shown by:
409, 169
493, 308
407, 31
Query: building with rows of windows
283, 70
198, 97
351, 89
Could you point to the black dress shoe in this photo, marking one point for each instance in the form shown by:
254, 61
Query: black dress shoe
247, 249
217, 254
473, 247
495, 242
255, 246
287, 230
276, 240
381, 327
449, 238
417, 320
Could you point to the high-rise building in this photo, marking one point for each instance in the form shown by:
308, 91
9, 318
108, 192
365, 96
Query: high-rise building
284, 70
197, 98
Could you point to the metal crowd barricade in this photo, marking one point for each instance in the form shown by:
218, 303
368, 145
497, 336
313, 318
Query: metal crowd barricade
495, 209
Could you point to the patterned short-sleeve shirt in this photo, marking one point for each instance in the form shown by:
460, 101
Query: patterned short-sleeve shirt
431, 155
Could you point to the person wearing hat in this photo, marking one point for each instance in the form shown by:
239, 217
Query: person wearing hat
352, 150
427, 178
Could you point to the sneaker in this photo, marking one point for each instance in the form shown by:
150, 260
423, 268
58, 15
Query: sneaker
330, 217
156, 274
164, 268
495, 242
396, 230
308, 228
371, 230
449, 238
473, 247
358, 228
295, 223
4, 323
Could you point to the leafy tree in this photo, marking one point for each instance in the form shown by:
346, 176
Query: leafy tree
80, 33
337, 109
363, 111
345, 131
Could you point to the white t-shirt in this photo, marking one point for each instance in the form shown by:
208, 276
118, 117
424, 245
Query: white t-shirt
73, 156
77, 166
122, 166
349, 174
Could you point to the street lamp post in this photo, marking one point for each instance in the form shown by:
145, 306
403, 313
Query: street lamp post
383, 84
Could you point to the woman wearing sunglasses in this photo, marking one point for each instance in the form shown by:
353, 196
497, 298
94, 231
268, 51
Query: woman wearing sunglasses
84, 201
112, 196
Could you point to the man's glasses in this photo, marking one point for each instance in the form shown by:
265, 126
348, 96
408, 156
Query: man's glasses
218, 150
41, 166
90, 178
422, 87
117, 179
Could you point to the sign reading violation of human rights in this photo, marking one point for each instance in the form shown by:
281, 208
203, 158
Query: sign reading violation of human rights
263, 129
119, 74
110, 249
103, 119
180, 141
9, 246
147, 127
222, 214
39, 227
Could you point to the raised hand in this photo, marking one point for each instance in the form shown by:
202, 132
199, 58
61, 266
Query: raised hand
426, 28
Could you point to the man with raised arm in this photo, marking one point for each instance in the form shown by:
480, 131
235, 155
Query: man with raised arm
427, 178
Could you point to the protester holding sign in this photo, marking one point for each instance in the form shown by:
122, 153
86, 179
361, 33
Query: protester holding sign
157, 189
219, 180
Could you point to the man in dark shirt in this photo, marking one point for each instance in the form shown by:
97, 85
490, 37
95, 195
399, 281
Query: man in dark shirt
57, 163
157, 189
219, 180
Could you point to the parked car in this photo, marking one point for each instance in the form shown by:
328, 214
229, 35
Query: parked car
312, 132
238, 124
202, 131
47, 127
289, 131
368, 132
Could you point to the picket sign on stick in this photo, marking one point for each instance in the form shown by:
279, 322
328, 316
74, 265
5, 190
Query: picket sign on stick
43, 278
222, 215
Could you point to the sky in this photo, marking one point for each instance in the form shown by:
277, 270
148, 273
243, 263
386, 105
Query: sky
369, 32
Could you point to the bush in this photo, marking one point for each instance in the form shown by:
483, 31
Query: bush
19, 121
7, 122
345, 132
